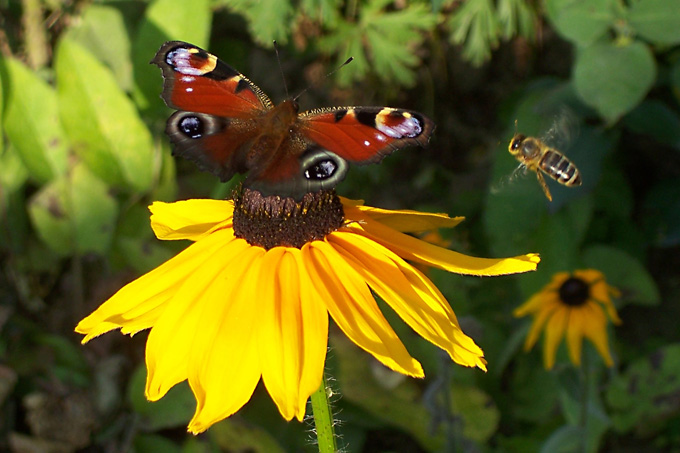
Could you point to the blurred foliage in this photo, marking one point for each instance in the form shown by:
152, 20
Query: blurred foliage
82, 153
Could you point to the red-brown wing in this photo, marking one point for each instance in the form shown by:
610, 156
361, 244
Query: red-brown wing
297, 168
198, 81
364, 134
215, 144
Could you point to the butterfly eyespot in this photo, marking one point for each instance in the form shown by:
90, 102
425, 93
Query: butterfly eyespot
192, 126
321, 170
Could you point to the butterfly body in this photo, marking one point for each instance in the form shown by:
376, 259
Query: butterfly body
227, 125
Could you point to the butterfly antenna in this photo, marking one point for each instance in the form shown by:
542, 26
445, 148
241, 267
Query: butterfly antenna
283, 77
348, 61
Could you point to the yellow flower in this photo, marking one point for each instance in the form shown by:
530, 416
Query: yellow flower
574, 304
224, 313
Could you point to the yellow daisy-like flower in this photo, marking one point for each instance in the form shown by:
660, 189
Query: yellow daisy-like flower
225, 313
573, 304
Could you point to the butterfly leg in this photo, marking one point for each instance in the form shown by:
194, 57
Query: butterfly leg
544, 186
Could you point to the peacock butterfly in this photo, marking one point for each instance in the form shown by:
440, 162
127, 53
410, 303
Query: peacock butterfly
226, 124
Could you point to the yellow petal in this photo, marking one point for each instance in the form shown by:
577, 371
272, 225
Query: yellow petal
190, 219
596, 331
138, 305
540, 318
554, 331
407, 221
414, 249
600, 292
415, 299
172, 340
291, 331
225, 367
575, 327
354, 310
535, 303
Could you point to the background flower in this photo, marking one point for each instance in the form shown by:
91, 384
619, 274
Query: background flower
576, 305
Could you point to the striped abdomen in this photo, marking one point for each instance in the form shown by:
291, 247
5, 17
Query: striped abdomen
558, 167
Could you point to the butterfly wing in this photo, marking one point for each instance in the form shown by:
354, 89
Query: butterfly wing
215, 125
197, 81
365, 135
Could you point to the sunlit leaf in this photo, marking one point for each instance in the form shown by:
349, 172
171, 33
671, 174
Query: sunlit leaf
268, 20
31, 122
93, 211
75, 213
101, 121
101, 30
165, 20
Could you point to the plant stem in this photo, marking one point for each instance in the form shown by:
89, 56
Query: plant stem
585, 387
323, 420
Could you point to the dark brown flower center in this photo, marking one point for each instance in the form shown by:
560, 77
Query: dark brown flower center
272, 221
574, 291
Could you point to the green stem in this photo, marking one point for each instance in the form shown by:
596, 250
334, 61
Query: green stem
323, 420
585, 388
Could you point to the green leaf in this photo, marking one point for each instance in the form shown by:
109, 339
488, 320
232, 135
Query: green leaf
656, 20
624, 273
102, 122
101, 30
15, 223
94, 211
13, 173
236, 434
153, 443
75, 213
50, 218
661, 214
581, 21
395, 400
644, 395
614, 79
385, 41
475, 26
325, 12
675, 80
517, 17
2, 106
268, 20
32, 122
173, 410
165, 20
656, 119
